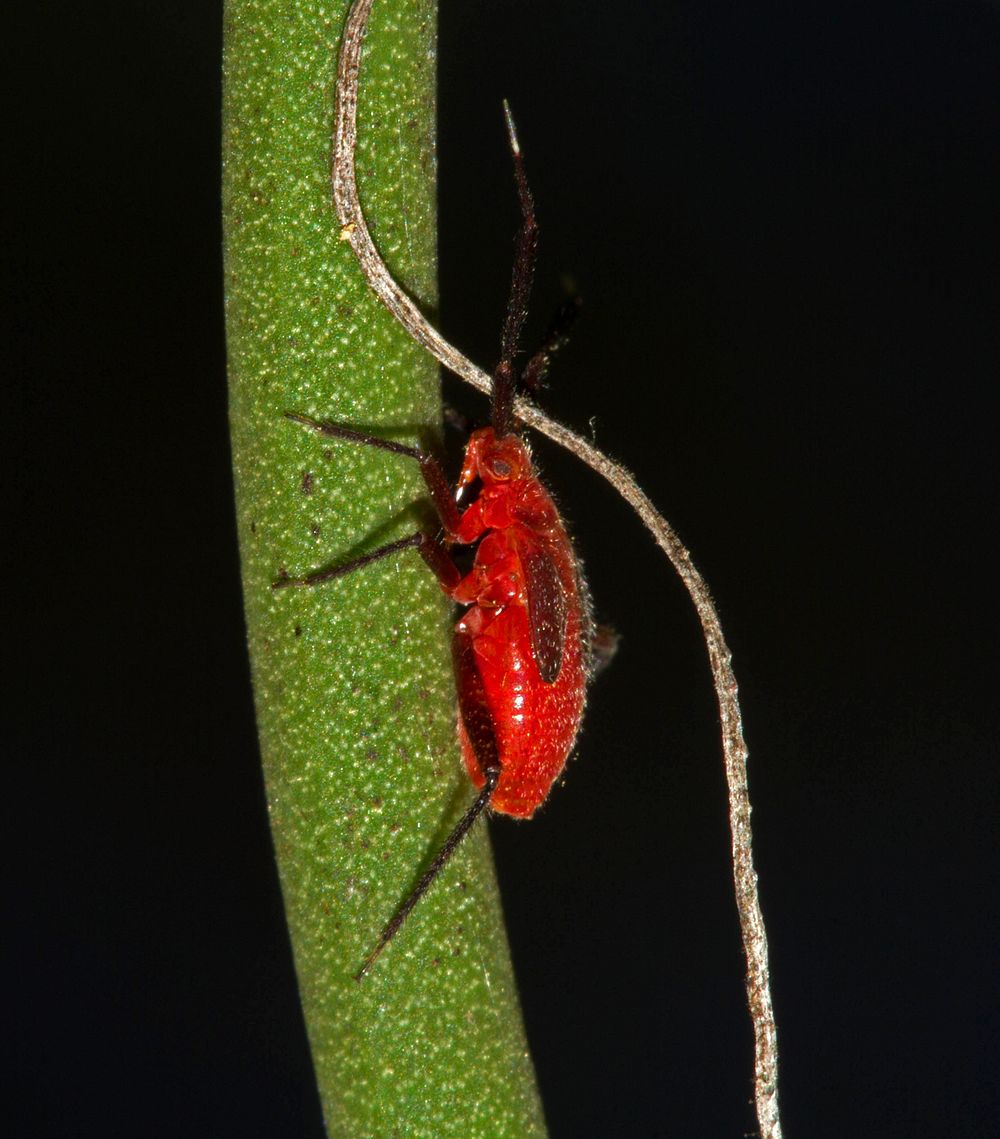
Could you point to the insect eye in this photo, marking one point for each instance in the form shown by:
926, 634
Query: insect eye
500, 468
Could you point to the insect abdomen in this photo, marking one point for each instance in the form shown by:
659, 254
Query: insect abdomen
506, 708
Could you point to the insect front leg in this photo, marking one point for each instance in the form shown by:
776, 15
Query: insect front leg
434, 476
435, 553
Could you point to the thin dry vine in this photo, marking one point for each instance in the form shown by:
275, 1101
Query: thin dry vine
355, 230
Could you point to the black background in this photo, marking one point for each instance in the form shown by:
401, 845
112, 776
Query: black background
783, 221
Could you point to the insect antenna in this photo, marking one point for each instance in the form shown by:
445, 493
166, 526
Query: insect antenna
534, 372
526, 248
449, 847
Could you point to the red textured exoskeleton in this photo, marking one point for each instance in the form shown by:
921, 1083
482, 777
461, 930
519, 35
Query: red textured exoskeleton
522, 647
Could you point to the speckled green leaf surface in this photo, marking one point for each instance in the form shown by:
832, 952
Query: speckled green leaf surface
353, 682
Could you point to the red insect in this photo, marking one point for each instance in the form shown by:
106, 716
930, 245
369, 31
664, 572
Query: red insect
522, 647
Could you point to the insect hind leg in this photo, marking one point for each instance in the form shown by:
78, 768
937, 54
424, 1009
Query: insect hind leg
441, 859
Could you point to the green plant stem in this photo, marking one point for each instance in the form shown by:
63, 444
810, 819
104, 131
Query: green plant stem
353, 682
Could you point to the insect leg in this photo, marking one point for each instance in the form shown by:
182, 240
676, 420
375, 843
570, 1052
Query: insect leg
433, 553
440, 860
430, 468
